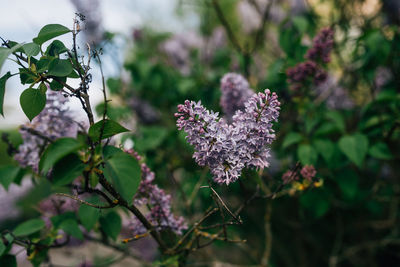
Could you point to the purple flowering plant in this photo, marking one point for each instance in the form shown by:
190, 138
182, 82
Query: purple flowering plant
191, 163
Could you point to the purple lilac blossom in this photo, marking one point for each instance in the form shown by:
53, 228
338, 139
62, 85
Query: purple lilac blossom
303, 72
53, 122
235, 92
228, 148
308, 172
322, 46
335, 96
157, 201
289, 176
311, 70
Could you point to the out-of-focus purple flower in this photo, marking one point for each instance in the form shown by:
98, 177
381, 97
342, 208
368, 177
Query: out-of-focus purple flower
157, 201
304, 72
289, 176
322, 46
311, 70
9, 198
53, 122
178, 49
308, 172
55, 205
93, 30
334, 95
145, 112
235, 92
382, 76
227, 149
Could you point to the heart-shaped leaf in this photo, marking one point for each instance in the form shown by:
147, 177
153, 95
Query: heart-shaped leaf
32, 102
355, 147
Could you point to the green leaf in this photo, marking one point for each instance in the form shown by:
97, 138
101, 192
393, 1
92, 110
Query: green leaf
111, 128
2, 247
49, 32
307, 155
32, 102
3, 81
300, 23
325, 148
88, 216
111, 224
56, 151
348, 183
59, 219
42, 65
337, 118
57, 85
315, 202
26, 77
71, 227
5, 52
380, 151
355, 147
56, 48
150, 138
60, 67
291, 138
8, 174
109, 151
114, 85
8, 261
29, 227
123, 171
31, 49
67, 170
42, 87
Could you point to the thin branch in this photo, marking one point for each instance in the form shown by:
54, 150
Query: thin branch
227, 27
85, 202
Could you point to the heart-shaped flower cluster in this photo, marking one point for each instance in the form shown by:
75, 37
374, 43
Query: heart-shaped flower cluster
228, 148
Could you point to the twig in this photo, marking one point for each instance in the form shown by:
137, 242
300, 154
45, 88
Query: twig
268, 235
227, 27
85, 202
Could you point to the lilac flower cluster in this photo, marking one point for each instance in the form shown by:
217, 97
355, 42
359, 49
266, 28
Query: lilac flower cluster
308, 172
157, 201
53, 122
235, 92
311, 70
322, 46
228, 148
304, 72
